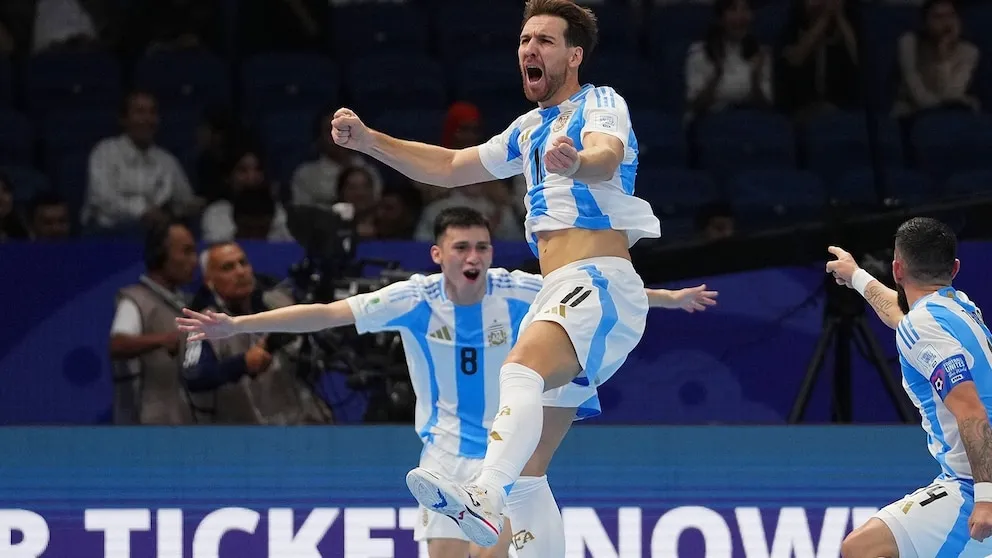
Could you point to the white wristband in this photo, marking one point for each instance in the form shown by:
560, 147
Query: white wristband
860, 281
983, 491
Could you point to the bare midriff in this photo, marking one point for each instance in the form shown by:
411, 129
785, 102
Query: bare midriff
559, 248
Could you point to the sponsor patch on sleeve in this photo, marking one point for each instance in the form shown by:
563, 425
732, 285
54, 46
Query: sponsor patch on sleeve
950, 372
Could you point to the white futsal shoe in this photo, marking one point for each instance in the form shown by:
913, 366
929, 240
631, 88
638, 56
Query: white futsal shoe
469, 506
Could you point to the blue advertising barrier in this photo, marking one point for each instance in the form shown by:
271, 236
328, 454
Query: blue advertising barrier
740, 362
306, 492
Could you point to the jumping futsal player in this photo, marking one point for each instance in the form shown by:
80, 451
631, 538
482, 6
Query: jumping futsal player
578, 154
457, 328
945, 350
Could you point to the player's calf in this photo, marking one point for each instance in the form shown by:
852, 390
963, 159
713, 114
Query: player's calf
871, 540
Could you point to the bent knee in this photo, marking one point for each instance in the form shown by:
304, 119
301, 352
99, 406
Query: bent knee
871, 540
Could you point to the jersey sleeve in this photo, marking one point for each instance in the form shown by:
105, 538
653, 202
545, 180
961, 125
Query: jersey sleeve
606, 112
384, 309
501, 154
935, 353
517, 285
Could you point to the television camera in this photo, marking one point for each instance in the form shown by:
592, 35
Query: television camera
329, 271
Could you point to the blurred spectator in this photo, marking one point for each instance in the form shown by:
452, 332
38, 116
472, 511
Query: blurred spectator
729, 68
715, 221
215, 136
935, 64
282, 25
356, 187
247, 378
132, 181
11, 224
819, 66
505, 224
61, 24
144, 341
462, 128
316, 182
396, 214
48, 216
173, 25
246, 189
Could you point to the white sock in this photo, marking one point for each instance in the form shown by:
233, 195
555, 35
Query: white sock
516, 429
538, 531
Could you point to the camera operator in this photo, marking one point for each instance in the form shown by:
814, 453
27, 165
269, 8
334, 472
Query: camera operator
248, 378
144, 341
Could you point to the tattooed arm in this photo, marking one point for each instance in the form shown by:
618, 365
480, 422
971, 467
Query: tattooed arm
973, 426
884, 301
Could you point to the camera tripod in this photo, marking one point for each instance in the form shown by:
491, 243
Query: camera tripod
844, 324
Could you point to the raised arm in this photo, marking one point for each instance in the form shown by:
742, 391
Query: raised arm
692, 299
298, 318
883, 300
429, 164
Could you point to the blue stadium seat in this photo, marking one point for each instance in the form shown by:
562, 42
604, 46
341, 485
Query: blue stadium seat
70, 176
177, 130
376, 83
899, 186
69, 131
6, 83
285, 81
16, 138
675, 192
632, 78
660, 138
837, 142
67, 80
467, 27
777, 196
619, 27
416, 125
681, 23
669, 62
487, 79
360, 29
736, 140
970, 184
191, 79
948, 142
26, 182
286, 132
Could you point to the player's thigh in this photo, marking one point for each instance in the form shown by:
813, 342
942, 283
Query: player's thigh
502, 547
557, 422
584, 322
932, 521
448, 548
874, 539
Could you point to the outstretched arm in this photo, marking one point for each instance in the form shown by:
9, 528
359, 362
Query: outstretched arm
883, 300
692, 299
298, 318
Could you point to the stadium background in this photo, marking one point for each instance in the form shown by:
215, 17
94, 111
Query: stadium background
845, 176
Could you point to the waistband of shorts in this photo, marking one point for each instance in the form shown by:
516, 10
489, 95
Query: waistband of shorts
613, 262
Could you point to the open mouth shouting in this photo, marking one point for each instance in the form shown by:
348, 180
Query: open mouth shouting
472, 274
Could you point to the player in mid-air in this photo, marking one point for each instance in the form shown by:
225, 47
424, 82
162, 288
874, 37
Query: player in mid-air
457, 328
945, 350
578, 154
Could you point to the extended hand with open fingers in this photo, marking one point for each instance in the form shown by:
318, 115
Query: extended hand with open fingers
348, 130
562, 158
208, 325
694, 299
843, 267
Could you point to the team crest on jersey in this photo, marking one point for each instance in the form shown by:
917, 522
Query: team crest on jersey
562, 120
496, 334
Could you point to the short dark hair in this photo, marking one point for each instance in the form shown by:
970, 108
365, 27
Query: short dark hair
45, 198
581, 29
929, 248
459, 218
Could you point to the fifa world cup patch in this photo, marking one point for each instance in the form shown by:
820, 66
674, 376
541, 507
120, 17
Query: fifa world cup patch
607, 121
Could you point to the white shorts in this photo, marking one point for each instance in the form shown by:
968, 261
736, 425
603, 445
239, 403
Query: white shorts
601, 304
432, 525
933, 521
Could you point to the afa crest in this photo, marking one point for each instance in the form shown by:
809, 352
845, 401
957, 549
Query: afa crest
562, 120
496, 334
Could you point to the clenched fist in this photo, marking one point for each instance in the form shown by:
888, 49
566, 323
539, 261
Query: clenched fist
562, 158
348, 130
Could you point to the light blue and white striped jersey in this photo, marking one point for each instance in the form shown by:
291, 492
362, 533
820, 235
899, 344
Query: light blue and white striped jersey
943, 342
555, 202
454, 352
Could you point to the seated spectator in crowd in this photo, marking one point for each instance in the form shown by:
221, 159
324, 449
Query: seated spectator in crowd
216, 135
819, 65
396, 214
356, 187
316, 182
144, 341
461, 129
48, 217
246, 185
11, 224
247, 378
729, 68
132, 181
49, 25
509, 225
715, 221
936, 65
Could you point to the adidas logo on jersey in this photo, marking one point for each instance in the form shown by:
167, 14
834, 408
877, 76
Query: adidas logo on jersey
443, 334
557, 310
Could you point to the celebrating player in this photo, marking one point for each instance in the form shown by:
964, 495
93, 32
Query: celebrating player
945, 349
578, 154
457, 328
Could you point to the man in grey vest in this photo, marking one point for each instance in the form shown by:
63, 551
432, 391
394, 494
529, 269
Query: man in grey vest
248, 378
144, 341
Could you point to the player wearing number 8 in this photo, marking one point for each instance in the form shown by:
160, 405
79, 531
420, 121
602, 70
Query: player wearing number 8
945, 351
